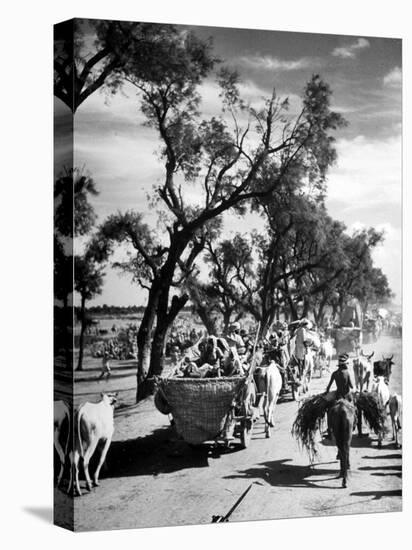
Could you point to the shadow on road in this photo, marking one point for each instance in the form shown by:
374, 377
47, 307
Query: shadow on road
385, 457
391, 467
377, 495
158, 453
357, 442
280, 474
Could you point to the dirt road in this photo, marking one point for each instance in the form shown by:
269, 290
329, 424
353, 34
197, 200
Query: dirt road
151, 479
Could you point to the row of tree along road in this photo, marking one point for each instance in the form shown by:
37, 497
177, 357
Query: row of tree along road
261, 160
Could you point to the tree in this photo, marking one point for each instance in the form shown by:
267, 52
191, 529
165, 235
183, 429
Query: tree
74, 216
88, 276
226, 168
264, 273
94, 54
205, 304
314, 257
223, 162
219, 298
350, 274
362, 280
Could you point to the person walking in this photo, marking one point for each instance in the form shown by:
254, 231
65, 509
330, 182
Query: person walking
106, 365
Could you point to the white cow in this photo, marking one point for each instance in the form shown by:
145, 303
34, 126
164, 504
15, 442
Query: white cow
61, 431
308, 365
325, 354
362, 370
94, 423
395, 410
269, 383
381, 390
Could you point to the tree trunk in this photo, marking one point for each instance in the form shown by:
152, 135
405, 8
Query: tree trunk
209, 321
82, 331
266, 322
293, 310
226, 320
165, 320
334, 311
321, 311
306, 306
157, 309
144, 344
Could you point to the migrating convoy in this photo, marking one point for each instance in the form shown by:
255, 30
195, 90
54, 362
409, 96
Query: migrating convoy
220, 385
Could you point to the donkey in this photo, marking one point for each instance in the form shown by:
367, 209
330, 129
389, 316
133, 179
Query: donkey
342, 418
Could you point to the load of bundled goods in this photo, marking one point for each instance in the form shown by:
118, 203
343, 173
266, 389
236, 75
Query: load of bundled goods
201, 407
307, 422
311, 413
373, 413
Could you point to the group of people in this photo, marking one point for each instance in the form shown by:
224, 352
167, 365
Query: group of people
180, 340
213, 356
123, 346
231, 353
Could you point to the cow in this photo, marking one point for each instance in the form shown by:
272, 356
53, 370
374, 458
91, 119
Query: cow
325, 354
362, 370
395, 410
384, 367
94, 424
308, 364
268, 383
381, 390
61, 433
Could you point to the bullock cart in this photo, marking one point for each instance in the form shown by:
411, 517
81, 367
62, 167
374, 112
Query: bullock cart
209, 409
347, 339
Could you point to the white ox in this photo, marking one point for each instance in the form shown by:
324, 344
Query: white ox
362, 370
269, 383
61, 422
381, 390
395, 410
325, 354
308, 365
94, 424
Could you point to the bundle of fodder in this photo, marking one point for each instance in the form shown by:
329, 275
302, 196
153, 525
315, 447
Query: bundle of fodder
307, 422
373, 413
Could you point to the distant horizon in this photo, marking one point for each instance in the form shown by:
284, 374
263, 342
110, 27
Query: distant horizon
388, 304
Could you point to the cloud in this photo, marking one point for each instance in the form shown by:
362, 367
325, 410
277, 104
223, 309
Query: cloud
271, 63
349, 51
365, 190
394, 78
368, 172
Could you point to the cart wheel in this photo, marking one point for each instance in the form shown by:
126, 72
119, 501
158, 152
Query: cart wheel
246, 433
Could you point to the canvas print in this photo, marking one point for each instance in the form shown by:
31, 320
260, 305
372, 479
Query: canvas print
227, 275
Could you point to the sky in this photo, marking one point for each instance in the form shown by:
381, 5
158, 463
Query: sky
364, 187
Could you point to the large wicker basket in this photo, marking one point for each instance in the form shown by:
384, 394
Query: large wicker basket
200, 407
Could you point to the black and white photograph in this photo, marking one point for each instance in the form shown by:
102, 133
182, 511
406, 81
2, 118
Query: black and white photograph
227, 274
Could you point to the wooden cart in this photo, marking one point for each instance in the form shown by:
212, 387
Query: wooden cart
209, 409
